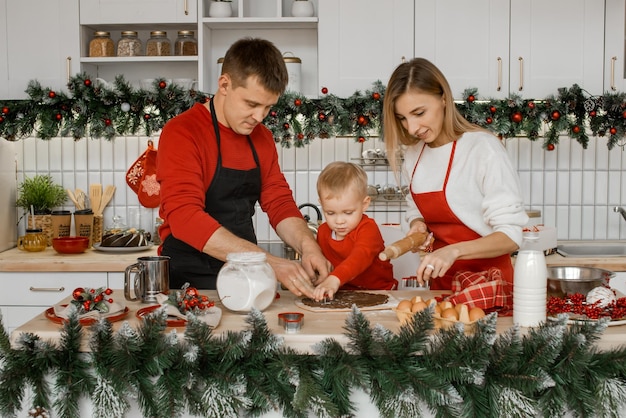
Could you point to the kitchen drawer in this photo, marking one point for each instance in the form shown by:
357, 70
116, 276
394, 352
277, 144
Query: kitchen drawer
44, 289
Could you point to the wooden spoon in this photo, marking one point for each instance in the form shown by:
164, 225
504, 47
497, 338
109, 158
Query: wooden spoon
109, 191
95, 196
70, 193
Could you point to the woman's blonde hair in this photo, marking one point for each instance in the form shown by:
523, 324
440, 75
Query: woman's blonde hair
419, 76
339, 176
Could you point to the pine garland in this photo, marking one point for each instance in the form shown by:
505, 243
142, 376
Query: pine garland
96, 111
552, 369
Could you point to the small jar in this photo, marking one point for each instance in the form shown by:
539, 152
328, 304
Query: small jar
186, 43
158, 44
101, 45
129, 44
246, 281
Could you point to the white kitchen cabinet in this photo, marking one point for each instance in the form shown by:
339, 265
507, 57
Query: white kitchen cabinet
138, 11
526, 47
615, 46
40, 42
361, 41
26, 294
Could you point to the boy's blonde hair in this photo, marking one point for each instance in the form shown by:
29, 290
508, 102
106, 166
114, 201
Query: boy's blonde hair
339, 176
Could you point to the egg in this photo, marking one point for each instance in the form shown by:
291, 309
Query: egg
475, 314
438, 309
458, 308
418, 306
416, 299
449, 313
404, 305
445, 305
463, 314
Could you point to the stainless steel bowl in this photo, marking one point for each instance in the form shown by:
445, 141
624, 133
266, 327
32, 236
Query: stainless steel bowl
567, 280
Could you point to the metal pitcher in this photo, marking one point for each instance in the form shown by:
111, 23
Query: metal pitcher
152, 276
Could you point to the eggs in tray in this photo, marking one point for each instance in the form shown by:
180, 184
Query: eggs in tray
445, 313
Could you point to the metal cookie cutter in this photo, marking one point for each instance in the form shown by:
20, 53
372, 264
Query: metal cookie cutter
291, 321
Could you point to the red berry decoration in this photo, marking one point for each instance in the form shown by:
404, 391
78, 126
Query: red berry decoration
531, 105
87, 305
300, 136
362, 120
492, 109
623, 113
471, 98
555, 115
52, 94
361, 139
516, 117
58, 116
107, 122
321, 116
576, 129
285, 126
162, 84
489, 120
613, 130
191, 291
5, 110
324, 90
108, 291
77, 294
146, 116
593, 113
273, 113
1, 119
376, 95
297, 102
550, 147
87, 82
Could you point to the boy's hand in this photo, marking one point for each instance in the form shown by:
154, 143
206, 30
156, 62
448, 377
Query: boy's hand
327, 288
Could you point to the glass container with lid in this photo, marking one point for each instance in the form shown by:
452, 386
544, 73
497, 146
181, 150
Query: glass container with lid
101, 45
129, 44
186, 43
158, 44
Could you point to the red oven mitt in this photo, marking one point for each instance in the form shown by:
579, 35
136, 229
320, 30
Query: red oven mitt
485, 289
141, 178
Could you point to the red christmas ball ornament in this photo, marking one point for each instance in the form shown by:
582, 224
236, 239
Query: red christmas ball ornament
489, 120
5, 110
108, 291
361, 139
613, 130
623, 113
162, 84
362, 120
77, 294
376, 95
110, 300
576, 129
531, 105
58, 116
87, 82
147, 116
52, 94
322, 116
550, 147
593, 113
555, 115
516, 117
492, 109
324, 90
300, 136
273, 113
471, 98
285, 126
107, 122
297, 102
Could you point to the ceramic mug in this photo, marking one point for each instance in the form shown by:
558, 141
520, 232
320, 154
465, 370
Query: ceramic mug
34, 240
152, 277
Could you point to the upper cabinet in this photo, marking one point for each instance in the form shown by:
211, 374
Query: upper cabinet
138, 11
615, 47
361, 41
526, 47
40, 42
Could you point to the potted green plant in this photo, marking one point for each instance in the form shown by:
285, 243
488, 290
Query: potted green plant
41, 194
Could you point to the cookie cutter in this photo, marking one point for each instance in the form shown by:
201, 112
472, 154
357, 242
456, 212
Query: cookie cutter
291, 321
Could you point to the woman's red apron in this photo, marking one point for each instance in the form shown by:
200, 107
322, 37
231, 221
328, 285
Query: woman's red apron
448, 229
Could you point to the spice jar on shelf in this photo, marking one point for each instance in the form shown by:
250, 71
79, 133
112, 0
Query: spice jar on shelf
158, 44
101, 45
186, 43
129, 44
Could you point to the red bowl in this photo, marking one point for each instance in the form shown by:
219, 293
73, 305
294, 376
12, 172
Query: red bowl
70, 245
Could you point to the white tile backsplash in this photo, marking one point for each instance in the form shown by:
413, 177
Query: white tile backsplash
575, 189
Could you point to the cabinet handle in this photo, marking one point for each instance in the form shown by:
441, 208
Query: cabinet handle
613, 86
186, 9
47, 289
499, 74
521, 73
68, 68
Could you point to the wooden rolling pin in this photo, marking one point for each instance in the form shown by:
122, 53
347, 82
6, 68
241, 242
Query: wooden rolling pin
409, 243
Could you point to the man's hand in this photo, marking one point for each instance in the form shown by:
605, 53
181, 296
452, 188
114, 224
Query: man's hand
292, 276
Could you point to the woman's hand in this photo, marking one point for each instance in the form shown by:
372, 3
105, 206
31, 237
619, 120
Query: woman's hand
436, 264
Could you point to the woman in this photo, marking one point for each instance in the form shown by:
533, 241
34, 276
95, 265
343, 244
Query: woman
463, 188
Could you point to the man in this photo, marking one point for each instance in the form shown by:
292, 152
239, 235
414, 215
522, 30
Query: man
215, 161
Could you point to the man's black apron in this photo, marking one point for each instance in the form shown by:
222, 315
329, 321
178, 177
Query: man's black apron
230, 199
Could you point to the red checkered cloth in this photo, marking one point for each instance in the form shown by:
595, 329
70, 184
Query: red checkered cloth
483, 289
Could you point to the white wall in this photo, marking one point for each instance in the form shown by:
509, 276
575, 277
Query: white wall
575, 189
